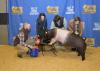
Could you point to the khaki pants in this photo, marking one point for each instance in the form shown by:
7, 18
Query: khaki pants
22, 50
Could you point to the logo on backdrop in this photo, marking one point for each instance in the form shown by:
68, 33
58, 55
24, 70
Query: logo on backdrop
96, 26
53, 9
90, 42
70, 10
89, 8
17, 10
34, 11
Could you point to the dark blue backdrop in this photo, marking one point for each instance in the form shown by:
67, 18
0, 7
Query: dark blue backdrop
67, 8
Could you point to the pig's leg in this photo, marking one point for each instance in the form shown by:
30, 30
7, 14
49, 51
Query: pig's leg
52, 41
77, 52
81, 52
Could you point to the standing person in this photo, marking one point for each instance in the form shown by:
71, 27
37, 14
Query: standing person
59, 22
41, 25
76, 26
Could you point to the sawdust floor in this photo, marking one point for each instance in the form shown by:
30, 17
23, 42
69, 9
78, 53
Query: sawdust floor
64, 61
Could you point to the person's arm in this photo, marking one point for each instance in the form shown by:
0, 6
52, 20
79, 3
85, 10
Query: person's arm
37, 27
81, 28
52, 25
70, 27
45, 26
65, 24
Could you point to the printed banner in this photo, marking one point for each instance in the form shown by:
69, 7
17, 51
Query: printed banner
89, 8
21, 11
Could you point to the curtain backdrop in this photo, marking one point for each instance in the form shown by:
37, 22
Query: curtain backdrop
21, 11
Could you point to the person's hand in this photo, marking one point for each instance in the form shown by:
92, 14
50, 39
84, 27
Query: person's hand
31, 37
46, 32
38, 35
50, 44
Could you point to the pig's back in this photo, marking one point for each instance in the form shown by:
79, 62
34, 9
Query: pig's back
62, 35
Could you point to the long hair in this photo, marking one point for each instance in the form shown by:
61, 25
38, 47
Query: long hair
39, 18
56, 19
77, 19
79, 25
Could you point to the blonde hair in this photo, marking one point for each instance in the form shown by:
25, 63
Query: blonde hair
26, 25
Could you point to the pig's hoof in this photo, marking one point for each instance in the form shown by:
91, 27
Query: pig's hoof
78, 54
20, 56
83, 58
73, 49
